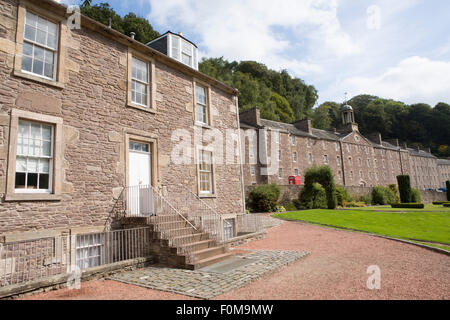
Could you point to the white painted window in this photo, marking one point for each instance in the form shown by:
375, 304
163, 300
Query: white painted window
205, 169
383, 163
308, 142
90, 250
201, 105
359, 162
360, 174
277, 136
374, 163
293, 140
251, 150
280, 173
34, 159
338, 160
40, 46
340, 174
279, 155
324, 145
351, 174
294, 156
183, 51
253, 170
337, 146
325, 159
348, 147
376, 176
350, 161
295, 172
140, 82
368, 163
310, 158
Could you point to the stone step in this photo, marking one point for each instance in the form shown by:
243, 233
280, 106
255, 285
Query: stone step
164, 218
208, 253
200, 245
169, 225
178, 232
187, 239
209, 261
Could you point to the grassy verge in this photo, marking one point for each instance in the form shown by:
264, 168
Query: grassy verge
405, 224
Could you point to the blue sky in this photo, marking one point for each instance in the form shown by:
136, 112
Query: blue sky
394, 49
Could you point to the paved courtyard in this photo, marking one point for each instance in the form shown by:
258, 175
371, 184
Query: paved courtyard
336, 268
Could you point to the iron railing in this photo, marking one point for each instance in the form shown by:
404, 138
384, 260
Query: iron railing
30, 260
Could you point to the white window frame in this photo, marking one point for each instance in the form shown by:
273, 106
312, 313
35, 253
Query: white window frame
178, 50
310, 158
85, 246
146, 84
279, 154
205, 107
50, 158
200, 171
308, 143
294, 156
252, 170
280, 173
293, 140
325, 159
296, 172
45, 47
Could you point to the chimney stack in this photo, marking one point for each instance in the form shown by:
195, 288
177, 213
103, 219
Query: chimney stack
180, 34
109, 22
303, 125
132, 34
251, 117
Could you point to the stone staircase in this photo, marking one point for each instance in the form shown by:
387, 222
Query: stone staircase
175, 243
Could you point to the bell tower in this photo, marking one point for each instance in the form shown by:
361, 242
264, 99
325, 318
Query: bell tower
348, 117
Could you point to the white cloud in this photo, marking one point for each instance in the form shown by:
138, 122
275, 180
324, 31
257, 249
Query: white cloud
246, 30
414, 79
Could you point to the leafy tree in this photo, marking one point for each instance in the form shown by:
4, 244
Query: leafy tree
143, 29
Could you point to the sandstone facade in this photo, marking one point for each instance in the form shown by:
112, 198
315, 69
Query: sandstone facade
91, 102
355, 160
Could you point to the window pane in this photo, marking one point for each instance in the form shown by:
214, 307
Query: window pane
21, 164
41, 37
43, 181
46, 148
30, 33
32, 165
38, 67
32, 181
27, 49
44, 165
27, 64
20, 180
51, 41
31, 19
201, 94
48, 70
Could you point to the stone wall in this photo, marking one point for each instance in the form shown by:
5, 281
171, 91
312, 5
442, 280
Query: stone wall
96, 122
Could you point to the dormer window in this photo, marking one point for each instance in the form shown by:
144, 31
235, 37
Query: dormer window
178, 48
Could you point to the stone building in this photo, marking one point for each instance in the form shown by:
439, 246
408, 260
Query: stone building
86, 112
356, 160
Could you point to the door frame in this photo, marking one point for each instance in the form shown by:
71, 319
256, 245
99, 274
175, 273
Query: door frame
153, 142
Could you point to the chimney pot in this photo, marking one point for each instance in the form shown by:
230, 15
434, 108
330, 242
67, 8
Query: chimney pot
132, 34
180, 33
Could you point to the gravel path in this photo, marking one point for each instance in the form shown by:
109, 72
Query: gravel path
335, 269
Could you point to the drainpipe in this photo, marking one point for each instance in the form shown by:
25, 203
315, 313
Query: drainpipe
342, 162
241, 164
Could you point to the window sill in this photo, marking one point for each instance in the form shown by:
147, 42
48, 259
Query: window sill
31, 77
207, 196
139, 107
203, 125
32, 197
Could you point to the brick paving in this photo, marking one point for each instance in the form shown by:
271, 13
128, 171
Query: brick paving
207, 285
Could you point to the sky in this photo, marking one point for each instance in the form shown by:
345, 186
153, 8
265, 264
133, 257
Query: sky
393, 49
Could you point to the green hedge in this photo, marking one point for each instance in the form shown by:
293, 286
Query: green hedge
383, 195
314, 197
408, 205
264, 198
446, 204
416, 196
322, 175
438, 203
404, 188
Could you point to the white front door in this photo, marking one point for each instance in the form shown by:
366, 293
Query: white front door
140, 196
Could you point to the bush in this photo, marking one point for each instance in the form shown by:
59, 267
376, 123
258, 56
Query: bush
290, 206
297, 204
440, 202
324, 176
404, 187
394, 189
314, 197
383, 195
408, 205
280, 209
343, 196
416, 196
366, 198
354, 204
447, 184
264, 198
446, 204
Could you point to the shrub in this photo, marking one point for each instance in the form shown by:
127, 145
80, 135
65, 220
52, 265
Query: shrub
404, 187
343, 196
290, 206
446, 204
297, 204
324, 176
408, 205
440, 202
394, 189
314, 197
264, 198
366, 198
354, 204
447, 184
280, 209
383, 195
416, 196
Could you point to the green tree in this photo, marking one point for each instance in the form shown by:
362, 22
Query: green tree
143, 29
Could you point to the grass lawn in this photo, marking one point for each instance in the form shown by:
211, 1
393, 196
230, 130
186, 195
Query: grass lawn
399, 223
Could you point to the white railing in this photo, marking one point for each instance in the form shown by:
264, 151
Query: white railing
145, 201
30, 260
249, 223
